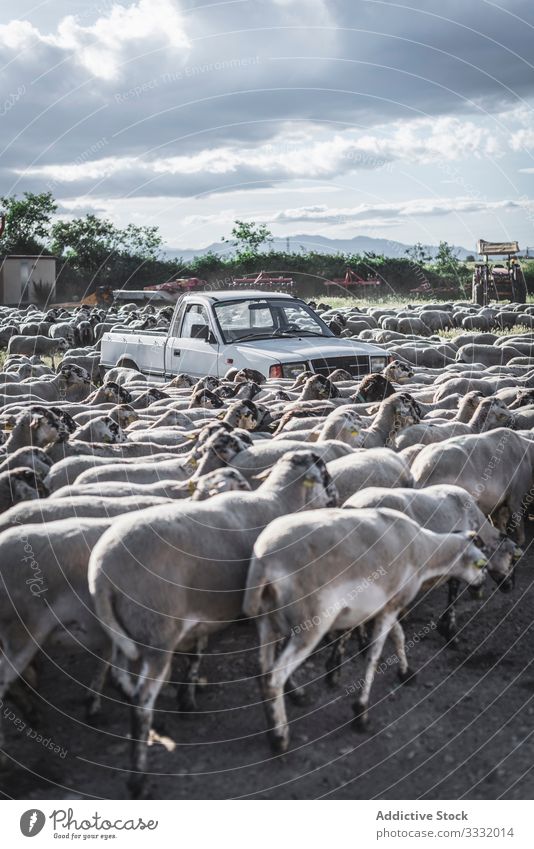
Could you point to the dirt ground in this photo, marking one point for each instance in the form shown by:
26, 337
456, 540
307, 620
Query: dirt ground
462, 730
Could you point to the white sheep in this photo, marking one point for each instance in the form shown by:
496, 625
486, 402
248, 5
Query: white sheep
334, 570
165, 579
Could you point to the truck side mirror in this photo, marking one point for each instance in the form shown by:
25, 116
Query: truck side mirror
202, 331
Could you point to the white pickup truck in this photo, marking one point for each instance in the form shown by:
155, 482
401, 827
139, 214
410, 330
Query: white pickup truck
211, 332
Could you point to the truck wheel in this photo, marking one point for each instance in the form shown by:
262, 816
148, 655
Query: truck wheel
478, 294
519, 291
127, 364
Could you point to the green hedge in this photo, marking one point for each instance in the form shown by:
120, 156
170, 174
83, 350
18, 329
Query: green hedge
399, 275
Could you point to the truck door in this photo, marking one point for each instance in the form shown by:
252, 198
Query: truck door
191, 347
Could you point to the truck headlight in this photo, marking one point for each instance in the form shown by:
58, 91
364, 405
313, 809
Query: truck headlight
378, 363
294, 369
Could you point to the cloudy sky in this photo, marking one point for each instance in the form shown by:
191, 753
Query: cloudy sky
411, 121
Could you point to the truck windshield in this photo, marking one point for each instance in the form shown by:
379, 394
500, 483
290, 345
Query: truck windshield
258, 318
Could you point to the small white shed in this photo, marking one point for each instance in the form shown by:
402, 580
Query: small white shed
18, 275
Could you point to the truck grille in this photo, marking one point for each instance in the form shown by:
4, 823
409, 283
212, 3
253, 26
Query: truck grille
356, 366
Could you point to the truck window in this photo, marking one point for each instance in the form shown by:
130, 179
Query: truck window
236, 319
194, 314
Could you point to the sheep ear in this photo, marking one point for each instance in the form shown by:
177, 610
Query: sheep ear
35, 422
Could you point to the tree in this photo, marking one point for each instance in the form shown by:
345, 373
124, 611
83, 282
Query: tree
87, 243
95, 246
446, 260
141, 242
248, 237
28, 222
418, 254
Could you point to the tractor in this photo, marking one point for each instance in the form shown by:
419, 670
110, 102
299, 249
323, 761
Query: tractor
498, 281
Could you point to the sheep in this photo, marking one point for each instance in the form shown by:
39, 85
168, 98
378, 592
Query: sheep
90, 363
44, 588
395, 413
369, 467
102, 429
118, 467
36, 427
490, 413
263, 455
19, 484
334, 570
486, 386
412, 325
66, 331
198, 488
446, 508
39, 345
436, 319
68, 384
374, 387
94, 506
396, 372
31, 458
343, 424
141, 601
217, 451
424, 356
496, 468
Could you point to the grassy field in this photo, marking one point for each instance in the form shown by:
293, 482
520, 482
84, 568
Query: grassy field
389, 301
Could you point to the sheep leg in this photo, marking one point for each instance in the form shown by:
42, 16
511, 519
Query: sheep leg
13, 665
187, 700
406, 675
96, 687
154, 671
295, 652
501, 517
335, 658
382, 627
447, 626
293, 691
23, 697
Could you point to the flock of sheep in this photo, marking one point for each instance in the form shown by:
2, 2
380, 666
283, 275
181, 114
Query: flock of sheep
143, 519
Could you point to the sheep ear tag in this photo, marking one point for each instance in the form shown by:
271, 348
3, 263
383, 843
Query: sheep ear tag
261, 476
481, 562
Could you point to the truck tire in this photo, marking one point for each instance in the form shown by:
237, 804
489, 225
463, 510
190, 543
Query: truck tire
478, 294
127, 363
519, 291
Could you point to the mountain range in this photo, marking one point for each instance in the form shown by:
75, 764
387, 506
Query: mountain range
321, 244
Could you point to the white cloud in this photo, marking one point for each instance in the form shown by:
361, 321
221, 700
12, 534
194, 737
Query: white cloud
102, 48
287, 157
406, 209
